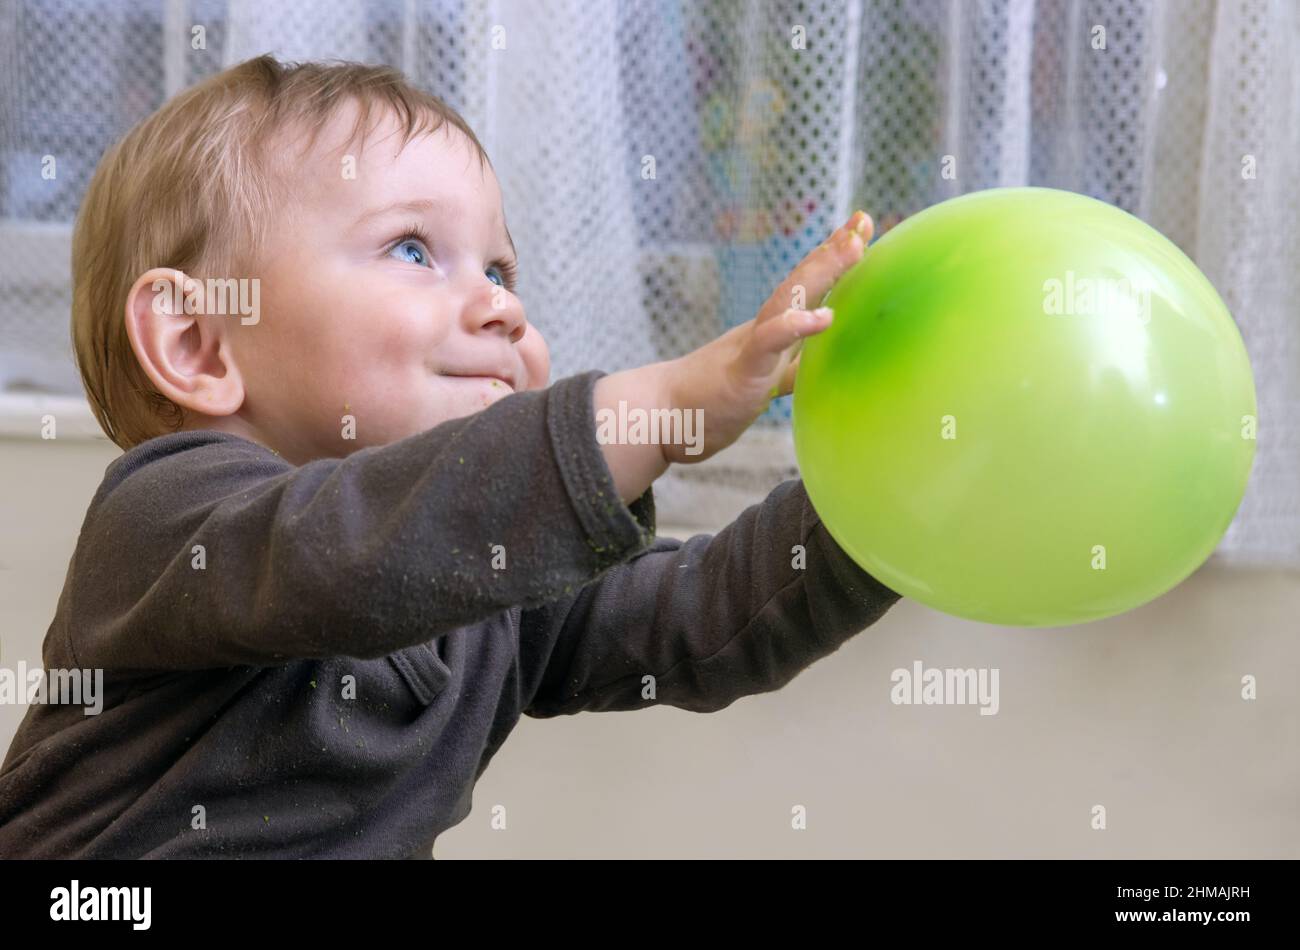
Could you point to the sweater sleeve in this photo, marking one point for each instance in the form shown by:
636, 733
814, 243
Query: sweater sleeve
203, 549
700, 623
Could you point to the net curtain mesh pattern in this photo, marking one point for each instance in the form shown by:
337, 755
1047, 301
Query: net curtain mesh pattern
759, 150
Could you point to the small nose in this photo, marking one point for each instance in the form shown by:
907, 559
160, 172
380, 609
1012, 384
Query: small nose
498, 310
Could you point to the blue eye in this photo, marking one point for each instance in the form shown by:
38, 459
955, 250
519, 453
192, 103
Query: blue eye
508, 271
411, 250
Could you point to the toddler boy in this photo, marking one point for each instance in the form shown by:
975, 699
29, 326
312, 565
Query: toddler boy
355, 534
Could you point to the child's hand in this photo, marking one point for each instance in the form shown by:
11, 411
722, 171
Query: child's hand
734, 378
731, 379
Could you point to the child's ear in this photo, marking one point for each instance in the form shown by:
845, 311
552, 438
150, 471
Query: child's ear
185, 352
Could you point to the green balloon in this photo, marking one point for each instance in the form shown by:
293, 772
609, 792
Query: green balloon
1031, 409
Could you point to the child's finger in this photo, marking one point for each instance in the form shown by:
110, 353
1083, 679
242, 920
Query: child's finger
814, 276
772, 338
786, 386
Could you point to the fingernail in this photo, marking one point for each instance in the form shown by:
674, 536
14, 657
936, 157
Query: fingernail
862, 225
814, 318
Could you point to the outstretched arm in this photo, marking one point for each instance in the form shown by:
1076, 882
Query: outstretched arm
700, 623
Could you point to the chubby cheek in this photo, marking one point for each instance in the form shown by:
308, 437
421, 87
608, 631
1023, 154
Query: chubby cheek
389, 371
404, 341
386, 388
314, 363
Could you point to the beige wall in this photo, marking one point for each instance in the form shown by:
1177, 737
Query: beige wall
1141, 713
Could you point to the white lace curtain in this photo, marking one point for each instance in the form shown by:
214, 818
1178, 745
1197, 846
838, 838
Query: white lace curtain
767, 121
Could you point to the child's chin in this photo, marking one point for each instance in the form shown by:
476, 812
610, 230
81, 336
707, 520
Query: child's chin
458, 401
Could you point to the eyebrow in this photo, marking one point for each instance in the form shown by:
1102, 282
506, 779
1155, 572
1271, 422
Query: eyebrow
421, 206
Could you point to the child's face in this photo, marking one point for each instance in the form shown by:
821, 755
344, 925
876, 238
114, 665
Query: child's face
360, 319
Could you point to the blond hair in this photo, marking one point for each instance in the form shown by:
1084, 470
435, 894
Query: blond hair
191, 188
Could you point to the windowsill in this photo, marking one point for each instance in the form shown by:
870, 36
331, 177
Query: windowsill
22, 416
